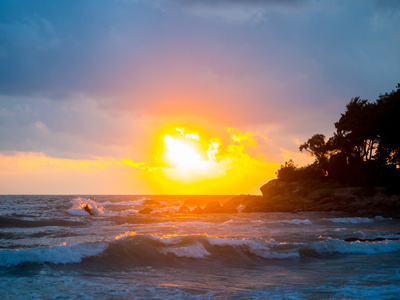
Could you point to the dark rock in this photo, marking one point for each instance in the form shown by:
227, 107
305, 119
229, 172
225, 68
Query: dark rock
87, 209
276, 187
213, 207
151, 202
193, 202
145, 211
270, 186
184, 209
229, 210
197, 210
242, 200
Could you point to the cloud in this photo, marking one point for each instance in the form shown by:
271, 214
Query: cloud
77, 81
76, 128
238, 11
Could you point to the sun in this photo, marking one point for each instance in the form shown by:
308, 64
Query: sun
183, 152
188, 160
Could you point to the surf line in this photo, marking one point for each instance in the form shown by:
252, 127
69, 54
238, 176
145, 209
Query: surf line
370, 240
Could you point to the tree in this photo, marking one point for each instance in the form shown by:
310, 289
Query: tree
364, 150
287, 172
290, 172
388, 111
317, 147
357, 130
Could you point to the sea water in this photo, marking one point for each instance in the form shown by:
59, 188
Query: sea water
52, 248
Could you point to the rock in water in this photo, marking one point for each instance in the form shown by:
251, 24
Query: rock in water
184, 209
145, 211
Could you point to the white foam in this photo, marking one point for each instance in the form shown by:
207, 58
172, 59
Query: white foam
195, 250
61, 254
357, 247
298, 222
266, 251
257, 221
380, 218
125, 235
257, 247
79, 204
227, 242
168, 240
229, 222
135, 202
129, 212
240, 208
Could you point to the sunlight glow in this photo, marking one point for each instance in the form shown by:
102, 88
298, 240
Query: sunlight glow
189, 160
183, 155
183, 160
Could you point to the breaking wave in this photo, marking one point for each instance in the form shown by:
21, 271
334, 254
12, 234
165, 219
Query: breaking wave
132, 250
79, 204
133, 202
61, 254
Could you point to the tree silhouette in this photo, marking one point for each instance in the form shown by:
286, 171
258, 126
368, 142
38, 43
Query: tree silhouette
317, 147
388, 111
364, 150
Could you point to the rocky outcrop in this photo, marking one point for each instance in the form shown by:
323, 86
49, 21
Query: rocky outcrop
279, 196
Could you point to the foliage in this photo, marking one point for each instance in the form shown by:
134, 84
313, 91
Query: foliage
291, 173
364, 150
318, 147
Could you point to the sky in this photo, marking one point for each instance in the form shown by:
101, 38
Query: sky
180, 97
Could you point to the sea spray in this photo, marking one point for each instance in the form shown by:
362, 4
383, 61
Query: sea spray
79, 204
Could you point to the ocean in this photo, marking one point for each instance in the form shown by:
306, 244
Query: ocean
52, 248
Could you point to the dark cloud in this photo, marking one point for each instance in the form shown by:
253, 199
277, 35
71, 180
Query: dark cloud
58, 48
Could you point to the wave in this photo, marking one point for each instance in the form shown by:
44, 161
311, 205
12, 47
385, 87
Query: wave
292, 222
298, 222
195, 250
8, 222
336, 246
60, 254
85, 207
132, 250
353, 220
134, 202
